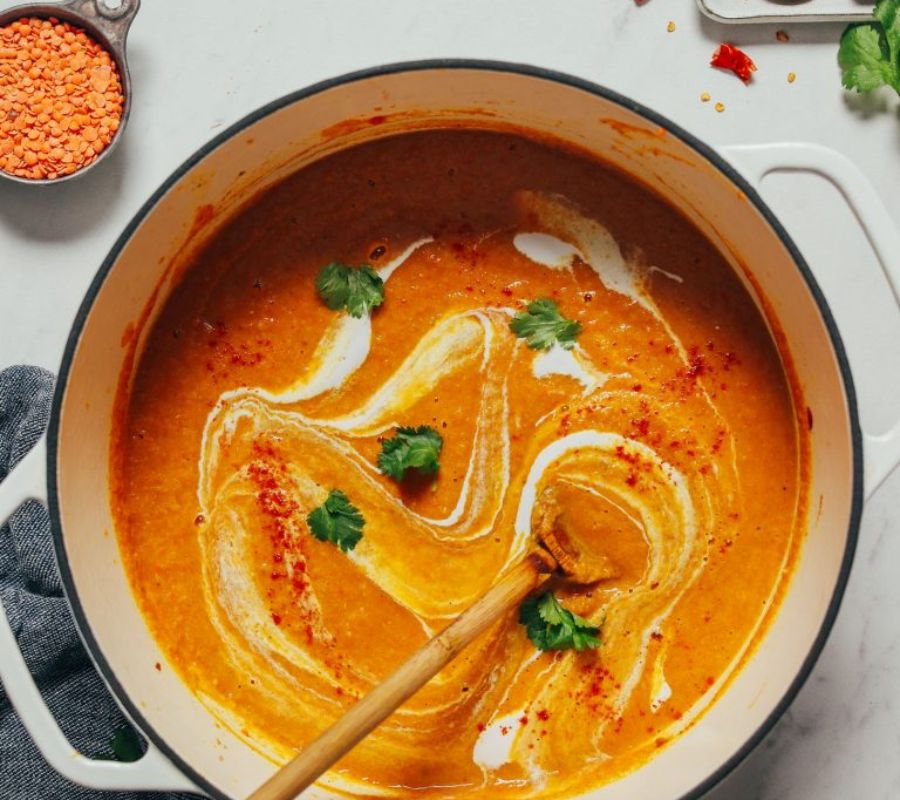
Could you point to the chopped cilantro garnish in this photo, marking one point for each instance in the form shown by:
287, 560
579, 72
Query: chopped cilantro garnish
356, 289
542, 326
337, 521
869, 55
411, 448
126, 746
552, 627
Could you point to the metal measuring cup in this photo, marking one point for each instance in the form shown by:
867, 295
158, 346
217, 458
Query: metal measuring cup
107, 22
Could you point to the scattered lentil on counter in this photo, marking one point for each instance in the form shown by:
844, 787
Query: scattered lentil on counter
61, 98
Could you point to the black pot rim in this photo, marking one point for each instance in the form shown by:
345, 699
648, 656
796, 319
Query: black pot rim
689, 139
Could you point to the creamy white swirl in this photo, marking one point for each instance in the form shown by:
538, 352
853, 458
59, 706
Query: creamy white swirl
673, 511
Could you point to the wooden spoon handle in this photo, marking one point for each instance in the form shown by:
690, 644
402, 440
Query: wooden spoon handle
411, 676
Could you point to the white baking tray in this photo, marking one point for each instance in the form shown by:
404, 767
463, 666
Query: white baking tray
784, 11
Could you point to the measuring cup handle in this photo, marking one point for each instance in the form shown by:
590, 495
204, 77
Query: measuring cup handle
882, 452
114, 22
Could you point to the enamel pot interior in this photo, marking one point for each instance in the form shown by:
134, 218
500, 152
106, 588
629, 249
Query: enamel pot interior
276, 141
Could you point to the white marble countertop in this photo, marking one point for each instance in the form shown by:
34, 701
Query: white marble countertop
199, 65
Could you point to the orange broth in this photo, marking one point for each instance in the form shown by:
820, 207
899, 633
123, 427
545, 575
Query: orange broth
671, 426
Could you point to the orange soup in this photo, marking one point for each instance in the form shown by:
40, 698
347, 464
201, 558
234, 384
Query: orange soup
643, 387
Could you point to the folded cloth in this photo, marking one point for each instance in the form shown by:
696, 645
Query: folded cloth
32, 595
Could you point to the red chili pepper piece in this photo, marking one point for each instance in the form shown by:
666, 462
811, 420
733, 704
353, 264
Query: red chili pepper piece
730, 57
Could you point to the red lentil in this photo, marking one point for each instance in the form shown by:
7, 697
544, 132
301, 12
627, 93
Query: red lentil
61, 98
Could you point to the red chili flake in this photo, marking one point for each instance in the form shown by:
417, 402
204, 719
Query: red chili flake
276, 618
728, 359
199, 519
636, 388
631, 458
543, 715
727, 56
719, 440
507, 291
782, 36
809, 417
632, 479
157, 666
697, 365
504, 729
523, 720
642, 425
656, 636
660, 741
481, 727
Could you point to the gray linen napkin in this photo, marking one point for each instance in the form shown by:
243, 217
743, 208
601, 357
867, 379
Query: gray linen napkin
32, 594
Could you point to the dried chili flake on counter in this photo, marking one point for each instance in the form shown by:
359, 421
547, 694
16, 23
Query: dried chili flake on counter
729, 57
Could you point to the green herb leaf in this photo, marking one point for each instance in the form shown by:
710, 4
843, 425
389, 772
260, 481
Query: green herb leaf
126, 746
356, 289
542, 326
337, 521
869, 55
411, 448
550, 626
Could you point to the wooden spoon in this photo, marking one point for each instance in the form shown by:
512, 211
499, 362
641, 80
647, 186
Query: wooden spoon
550, 526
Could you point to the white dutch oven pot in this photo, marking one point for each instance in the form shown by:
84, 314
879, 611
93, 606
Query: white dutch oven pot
68, 470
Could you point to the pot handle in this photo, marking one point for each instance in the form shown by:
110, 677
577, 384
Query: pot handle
26, 481
882, 452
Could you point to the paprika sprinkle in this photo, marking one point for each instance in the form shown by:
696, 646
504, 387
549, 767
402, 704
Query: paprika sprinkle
61, 98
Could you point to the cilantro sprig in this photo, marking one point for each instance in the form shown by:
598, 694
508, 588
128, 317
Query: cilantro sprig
337, 521
125, 744
356, 289
411, 448
550, 626
869, 54
542, 326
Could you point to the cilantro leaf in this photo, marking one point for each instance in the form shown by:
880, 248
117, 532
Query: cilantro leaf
356, 289
337, 521
869, 55
542, 326
550, 626
126, 746
411, 448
